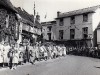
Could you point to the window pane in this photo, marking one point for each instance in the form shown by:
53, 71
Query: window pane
61, 34
61, 22
72, 20
49, 28
72, 33
85, 17
85, 32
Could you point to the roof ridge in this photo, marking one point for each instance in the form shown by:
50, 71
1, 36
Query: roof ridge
8, 4
81, 9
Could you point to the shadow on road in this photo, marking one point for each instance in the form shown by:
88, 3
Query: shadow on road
97, 67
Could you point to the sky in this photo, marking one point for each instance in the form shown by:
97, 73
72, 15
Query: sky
50, 7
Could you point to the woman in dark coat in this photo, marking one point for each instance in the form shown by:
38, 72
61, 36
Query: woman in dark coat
32, 57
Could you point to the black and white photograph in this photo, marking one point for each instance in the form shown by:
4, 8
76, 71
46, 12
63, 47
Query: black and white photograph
49, 37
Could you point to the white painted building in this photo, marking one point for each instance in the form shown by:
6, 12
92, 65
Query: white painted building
78, 27
48, 30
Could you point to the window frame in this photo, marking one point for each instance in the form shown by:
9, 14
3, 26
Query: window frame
49, 28
85, 17
61, 34
61, 22
72, 20
84, 32
72, 33
49, 36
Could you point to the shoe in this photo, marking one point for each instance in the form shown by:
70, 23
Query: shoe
14, 68
11, 68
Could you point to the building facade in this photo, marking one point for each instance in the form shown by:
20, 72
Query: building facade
8, 22
28, 29
78, 28
48, 30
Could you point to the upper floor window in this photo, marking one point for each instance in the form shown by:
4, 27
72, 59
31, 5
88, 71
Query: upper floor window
85, 17
72, 20
85, 32
61, 32
72, 33
49, 28
61, 22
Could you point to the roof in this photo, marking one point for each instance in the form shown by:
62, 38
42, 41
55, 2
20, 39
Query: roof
48, 23
7, 4
26, 16
78, 12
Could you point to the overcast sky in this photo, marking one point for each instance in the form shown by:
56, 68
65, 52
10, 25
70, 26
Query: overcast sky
50, 7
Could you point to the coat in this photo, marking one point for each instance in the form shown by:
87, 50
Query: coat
15, 58
1, 58
32, 56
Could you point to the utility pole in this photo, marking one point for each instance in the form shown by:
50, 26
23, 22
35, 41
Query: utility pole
34, 12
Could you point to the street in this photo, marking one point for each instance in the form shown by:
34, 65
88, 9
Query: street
69, 65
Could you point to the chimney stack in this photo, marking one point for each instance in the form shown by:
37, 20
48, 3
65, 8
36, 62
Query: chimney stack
38, 18
58, 13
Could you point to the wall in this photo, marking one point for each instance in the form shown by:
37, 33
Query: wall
79, 24
45, 31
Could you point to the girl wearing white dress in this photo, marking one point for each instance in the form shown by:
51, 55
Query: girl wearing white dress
15, 59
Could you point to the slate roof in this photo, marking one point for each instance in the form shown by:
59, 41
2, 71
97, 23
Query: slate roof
8, 5
48, 23
78, 12
26, 16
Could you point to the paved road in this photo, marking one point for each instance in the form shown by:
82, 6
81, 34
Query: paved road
69, 65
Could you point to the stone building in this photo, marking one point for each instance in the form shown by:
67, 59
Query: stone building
8, 22
78, 28
48, 30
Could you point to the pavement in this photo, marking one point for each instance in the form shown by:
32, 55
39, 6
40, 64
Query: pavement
68, 65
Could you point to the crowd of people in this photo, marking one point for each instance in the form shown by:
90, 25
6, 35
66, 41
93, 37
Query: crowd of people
84, 51
14, 55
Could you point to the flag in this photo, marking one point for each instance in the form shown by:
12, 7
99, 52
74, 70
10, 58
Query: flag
45, 16
34, 8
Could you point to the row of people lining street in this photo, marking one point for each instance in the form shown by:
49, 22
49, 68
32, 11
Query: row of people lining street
13, 55
84, 51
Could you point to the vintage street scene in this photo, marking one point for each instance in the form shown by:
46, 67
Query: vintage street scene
49, 37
